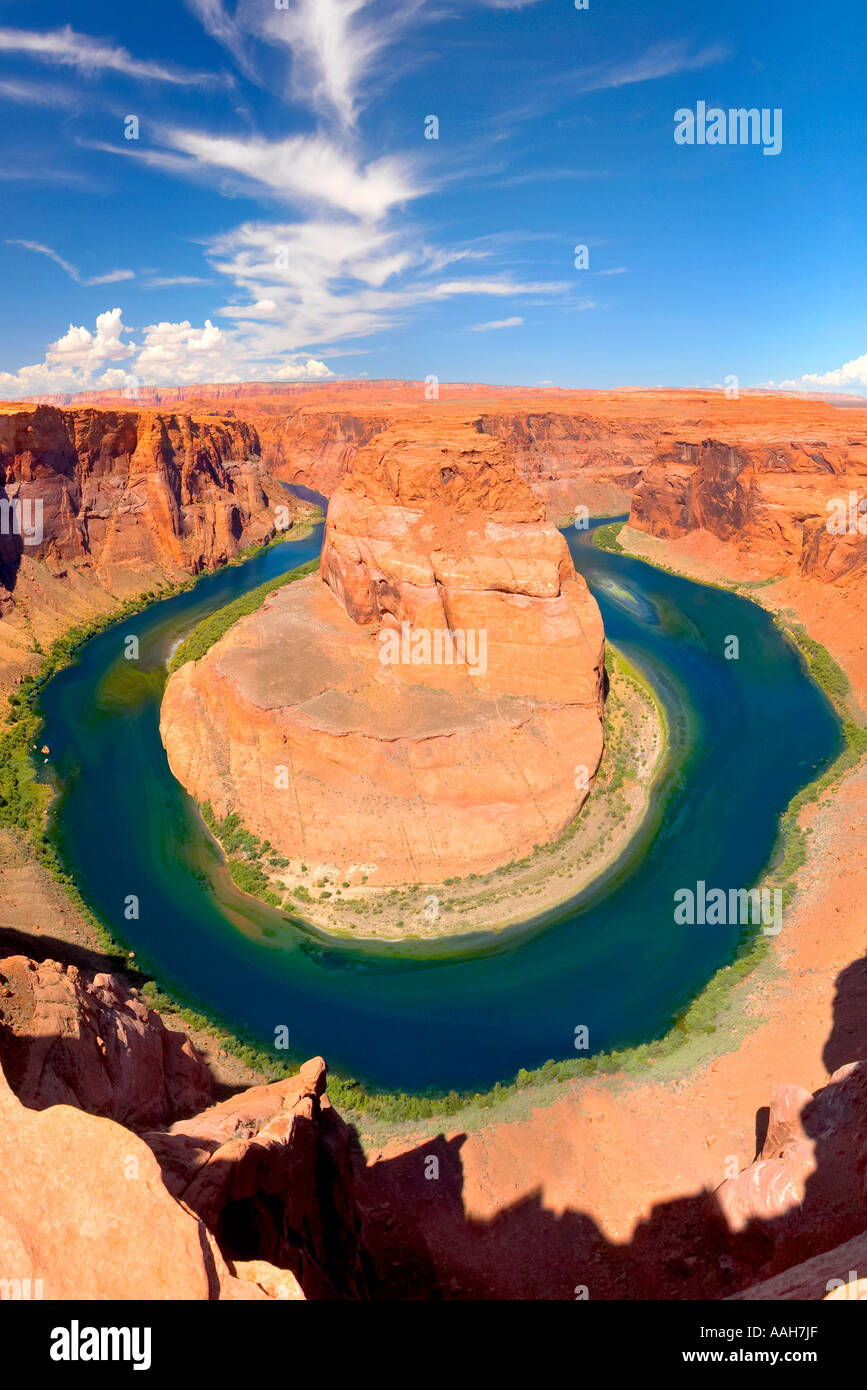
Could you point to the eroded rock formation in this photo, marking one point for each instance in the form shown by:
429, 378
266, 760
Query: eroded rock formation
806, 1190
250, 1198
341, 721
67, 1038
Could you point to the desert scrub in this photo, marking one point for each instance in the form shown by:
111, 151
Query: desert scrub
244, 853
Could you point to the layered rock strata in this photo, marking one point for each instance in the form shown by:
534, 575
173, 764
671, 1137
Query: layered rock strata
97, 505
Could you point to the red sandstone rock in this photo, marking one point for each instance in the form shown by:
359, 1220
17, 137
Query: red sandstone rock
418, 771
765, 491
805, 1190
269, 1172
94, 1211
83, 1209
72, 1040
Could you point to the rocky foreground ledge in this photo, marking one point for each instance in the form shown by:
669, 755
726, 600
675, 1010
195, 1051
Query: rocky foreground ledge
431, 704
106, 1195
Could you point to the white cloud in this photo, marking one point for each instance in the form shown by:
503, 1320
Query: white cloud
308, 169
332, 48
80, 348
170, 353
853, 373
663, 59
496, 323
111, 278
38, 94
71, 361
87, 55
320, 282
159, 282
335, 44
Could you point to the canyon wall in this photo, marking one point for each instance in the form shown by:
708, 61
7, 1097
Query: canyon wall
344, 724
125, 500
575, 448
768, 497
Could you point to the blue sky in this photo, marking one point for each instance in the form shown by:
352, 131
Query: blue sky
282, 216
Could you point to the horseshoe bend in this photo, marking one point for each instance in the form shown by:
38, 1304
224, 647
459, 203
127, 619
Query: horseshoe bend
418, 709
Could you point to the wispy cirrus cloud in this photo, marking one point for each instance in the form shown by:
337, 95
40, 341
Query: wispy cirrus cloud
493, 324
38, 94
111, 278
88, 55
332, 48
308, 170
664, 59
160, 282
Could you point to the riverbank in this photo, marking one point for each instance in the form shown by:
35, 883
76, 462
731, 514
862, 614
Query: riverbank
611, 821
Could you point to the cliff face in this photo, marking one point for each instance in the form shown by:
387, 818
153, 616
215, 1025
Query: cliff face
774, 501
102, 504
251, 1198
133, 486
572, 459
422, 713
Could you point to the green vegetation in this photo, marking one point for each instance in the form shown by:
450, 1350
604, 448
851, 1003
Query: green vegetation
605, 537
211, 629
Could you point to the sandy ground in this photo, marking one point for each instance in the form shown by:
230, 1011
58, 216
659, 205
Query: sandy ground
604, 1184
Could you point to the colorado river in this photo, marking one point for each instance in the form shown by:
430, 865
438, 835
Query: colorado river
746, 735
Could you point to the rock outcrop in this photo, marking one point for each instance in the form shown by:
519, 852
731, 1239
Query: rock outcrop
421, 713
250, 1198
67, 1038
806, 1190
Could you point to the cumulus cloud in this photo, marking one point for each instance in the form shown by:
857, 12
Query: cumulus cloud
169, 353
851, 374
80, 348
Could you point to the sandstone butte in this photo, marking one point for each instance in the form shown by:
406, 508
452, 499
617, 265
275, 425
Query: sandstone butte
406, 772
